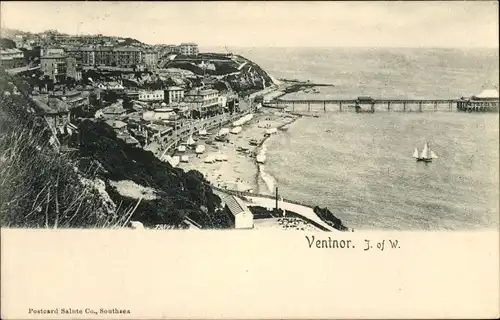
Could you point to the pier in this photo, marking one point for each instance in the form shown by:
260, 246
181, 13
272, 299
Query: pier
366, 104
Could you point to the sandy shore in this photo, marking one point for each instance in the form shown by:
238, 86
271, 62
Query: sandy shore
240, 171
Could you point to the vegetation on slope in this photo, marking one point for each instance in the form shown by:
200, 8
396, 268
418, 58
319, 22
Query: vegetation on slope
244, 76
39, 187
180, 193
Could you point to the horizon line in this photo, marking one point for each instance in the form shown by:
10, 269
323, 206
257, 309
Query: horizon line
496, 46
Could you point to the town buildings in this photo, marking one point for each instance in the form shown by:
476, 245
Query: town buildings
174, 94
154, 95
54, 66
188, 49
203, 102
55, 111
11, 58
126, 56
73, 98
150, 59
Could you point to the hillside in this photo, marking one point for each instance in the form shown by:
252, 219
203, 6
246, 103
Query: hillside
243, 75
38, 187
42, 188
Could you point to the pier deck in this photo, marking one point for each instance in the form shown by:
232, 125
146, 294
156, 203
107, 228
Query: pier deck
372, 105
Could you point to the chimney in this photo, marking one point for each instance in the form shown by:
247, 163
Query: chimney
277, 199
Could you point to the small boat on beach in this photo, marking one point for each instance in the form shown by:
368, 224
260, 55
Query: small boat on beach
221, 157
236, 130
426, 155
283, 128
190, 141
181, 148
261, 158
254, 142
242, 149
174, 161
184, 159
209, 159
223, 132
271, 131
200, 149
202, 132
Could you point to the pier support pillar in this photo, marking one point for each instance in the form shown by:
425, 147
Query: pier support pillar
404, 106
435, 106
388, 106
373, 107
309, 106
420, 107
340, 106
324, 106
450, 105
293, 106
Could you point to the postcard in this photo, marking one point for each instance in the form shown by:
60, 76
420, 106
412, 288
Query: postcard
249, 159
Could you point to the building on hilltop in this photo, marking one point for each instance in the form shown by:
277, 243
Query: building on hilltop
150, 59
238, 213
127, 56
188, 49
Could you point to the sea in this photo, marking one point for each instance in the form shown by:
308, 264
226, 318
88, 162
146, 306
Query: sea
360, 166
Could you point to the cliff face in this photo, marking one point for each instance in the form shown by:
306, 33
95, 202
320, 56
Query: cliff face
242, 75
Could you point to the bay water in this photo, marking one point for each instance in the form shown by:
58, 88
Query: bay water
361, 167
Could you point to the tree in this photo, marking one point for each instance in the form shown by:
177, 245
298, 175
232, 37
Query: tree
128, 104
7, 43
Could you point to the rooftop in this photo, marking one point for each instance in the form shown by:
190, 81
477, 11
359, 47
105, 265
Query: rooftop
488, 94
51, 105
235, 205
53, 56
116, 124
202, 92
174, 89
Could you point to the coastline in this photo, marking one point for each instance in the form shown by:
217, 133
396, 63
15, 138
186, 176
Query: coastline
240, 172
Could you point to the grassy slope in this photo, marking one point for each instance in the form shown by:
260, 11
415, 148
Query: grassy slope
38, 187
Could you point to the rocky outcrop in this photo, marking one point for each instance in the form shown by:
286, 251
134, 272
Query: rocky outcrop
328, 217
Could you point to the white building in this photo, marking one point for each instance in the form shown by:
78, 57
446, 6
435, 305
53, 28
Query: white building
164, 114
155, 95
239, 214
174, 94
188, 49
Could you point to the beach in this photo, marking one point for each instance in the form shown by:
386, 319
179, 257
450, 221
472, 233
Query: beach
240, 170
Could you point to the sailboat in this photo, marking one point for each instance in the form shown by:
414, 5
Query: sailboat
427, 154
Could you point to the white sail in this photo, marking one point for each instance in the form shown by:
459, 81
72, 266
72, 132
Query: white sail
433, 155
415, 153
425, 152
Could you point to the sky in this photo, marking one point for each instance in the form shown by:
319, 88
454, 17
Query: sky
263, 24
